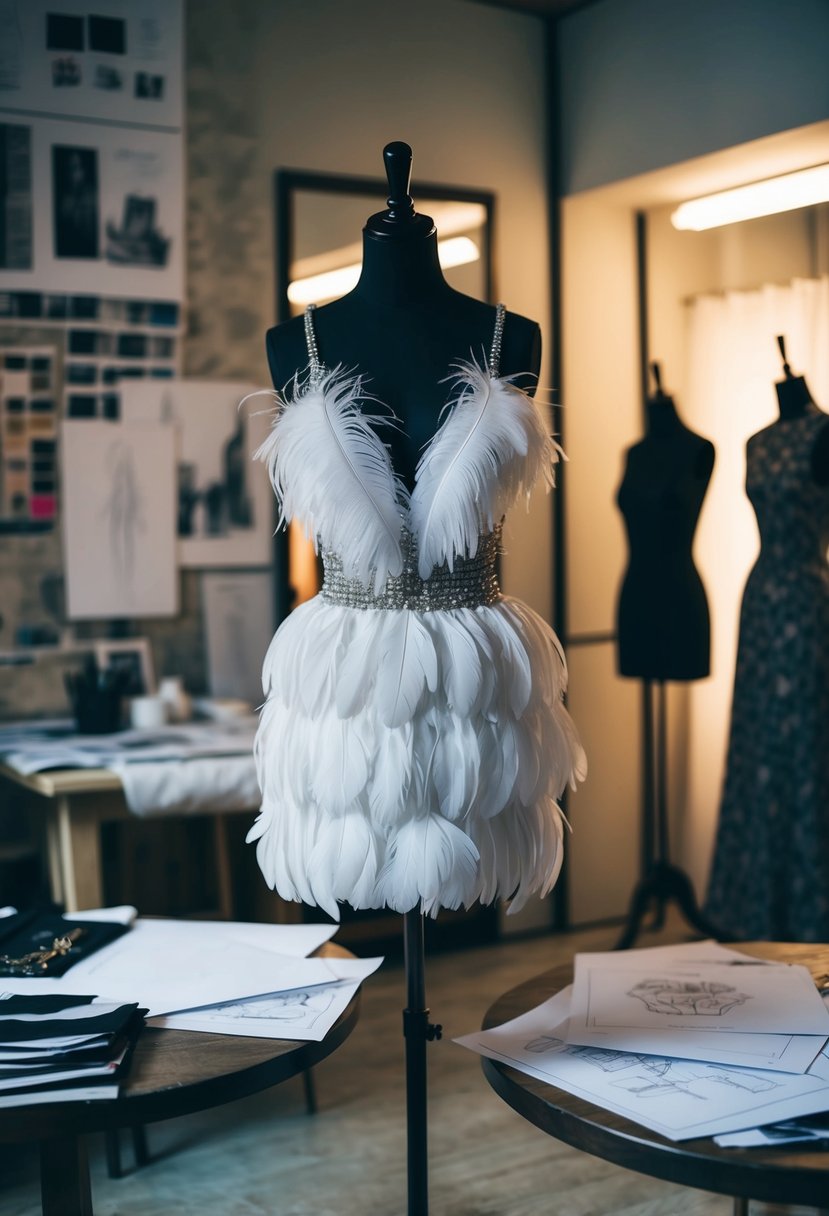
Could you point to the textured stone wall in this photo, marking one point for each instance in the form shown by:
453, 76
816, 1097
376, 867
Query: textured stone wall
321, 85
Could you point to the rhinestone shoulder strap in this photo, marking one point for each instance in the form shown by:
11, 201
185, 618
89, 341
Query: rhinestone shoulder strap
317, 370
497, 341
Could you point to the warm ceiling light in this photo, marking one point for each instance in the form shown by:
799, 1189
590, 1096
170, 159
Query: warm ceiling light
802, 189
329, 285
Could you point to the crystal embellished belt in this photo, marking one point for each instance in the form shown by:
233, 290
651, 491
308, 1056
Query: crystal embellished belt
473, 581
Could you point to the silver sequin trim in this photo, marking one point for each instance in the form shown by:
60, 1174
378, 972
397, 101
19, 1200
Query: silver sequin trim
316, 369
497, 341
472, 583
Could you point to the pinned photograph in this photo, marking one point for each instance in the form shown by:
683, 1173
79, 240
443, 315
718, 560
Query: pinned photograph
137, 240
107, 77
65, 71
75, 201
16, 214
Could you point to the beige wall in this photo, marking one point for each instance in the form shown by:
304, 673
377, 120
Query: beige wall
647, 83
324, 85
602, 417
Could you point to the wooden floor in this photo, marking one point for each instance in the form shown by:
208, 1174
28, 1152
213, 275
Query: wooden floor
265, 1157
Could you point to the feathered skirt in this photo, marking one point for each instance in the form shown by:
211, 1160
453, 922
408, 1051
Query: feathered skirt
413, 759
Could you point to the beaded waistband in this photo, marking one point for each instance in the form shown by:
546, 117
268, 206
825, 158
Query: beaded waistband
473, 581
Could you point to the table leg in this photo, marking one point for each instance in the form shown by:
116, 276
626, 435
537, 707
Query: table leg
223, 874
741, 1206
64, 1177
53, 857
79, 838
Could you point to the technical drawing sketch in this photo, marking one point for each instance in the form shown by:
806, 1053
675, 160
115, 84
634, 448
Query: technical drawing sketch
688, 997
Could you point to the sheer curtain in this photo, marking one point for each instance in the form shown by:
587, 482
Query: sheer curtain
732, 362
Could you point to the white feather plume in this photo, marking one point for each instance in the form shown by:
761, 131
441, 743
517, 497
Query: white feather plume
492, 447
334, 476
343, 862
357, 665
339, 769
431, 862
407, 665
457, 763
392, 773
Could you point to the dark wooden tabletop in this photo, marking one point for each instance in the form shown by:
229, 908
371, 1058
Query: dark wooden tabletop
778, 1175
177, 1072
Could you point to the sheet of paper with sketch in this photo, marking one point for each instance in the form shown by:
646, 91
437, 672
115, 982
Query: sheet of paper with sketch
623, 1005
680, 1099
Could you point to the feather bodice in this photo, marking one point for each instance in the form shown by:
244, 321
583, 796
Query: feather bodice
333, 474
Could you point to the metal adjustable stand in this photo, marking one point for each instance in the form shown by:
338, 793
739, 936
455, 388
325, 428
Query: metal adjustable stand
418, 1031
661, 882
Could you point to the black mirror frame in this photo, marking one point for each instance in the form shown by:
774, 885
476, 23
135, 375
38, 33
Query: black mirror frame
287, 182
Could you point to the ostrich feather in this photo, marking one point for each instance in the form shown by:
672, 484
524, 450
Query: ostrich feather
339, 761
357, 666
392, 773
515, 668
496, 792
461, 665
285, 835
542, 829
343, 862
549, 667
431, 862
333, 475
492, 446
407, 664
457, 763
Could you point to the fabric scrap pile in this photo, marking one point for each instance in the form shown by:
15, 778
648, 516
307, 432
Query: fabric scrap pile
58, 1048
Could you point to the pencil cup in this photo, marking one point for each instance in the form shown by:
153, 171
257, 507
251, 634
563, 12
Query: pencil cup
147, 713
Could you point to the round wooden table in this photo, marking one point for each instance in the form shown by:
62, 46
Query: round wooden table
796, 1175
173, 1072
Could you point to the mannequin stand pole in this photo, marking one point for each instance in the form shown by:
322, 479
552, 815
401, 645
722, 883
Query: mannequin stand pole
661, 882
418, 1031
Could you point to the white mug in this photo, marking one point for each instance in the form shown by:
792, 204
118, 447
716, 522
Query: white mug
172, 692
148, 713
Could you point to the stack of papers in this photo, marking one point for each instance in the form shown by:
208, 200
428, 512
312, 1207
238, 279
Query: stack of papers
223, 977
63, 1048
694, 1040
33, 747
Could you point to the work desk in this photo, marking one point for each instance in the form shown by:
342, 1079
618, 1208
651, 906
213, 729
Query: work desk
74, 803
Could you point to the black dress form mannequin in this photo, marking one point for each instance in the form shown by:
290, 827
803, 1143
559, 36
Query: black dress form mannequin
403, 327
663, 625
770, 875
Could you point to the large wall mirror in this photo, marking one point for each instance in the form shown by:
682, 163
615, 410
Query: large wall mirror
319, 223
320, 218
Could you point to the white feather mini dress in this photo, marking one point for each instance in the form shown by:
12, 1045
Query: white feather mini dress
414, 743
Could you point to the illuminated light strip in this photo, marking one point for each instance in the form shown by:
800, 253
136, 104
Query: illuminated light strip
804, 188
456, 251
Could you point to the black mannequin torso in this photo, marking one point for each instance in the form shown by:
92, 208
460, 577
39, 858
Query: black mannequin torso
795, 400
663, 620
404, 327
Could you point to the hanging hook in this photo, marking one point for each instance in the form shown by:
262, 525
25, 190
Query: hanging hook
656, 372
781, 342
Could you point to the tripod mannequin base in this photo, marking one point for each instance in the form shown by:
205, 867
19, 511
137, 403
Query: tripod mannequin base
663, 884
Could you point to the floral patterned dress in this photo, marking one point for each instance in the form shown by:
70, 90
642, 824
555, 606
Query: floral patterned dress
770, 876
